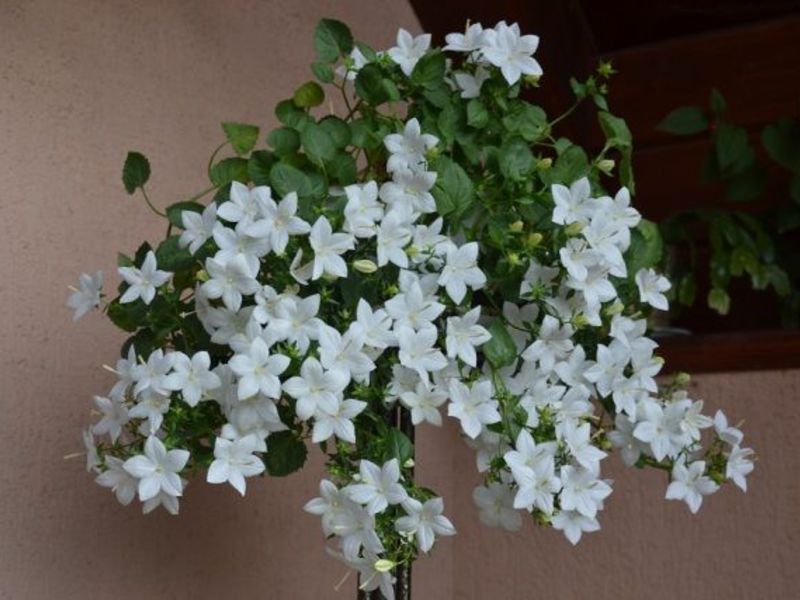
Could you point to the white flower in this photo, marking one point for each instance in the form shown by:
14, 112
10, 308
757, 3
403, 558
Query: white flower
418, 350
236, 242
652, 287
505, 48
258, 370
394, 234
116, 478
470, 85
689, 484
378, 487
87, 295
151, 406
424, 521
142, 283
371, 579
621, 437
192, 376
660, 427
170, 503
376, 325
197, 227
278, 222
413, 308
115, 415
574, 524
572, 204
345, 353
407, 150
582, 491
527, 453
553, 343
537, 485
424, 402
157, 469
468, 41
579, 444
358, 60
152, 375
474, 407
295, 320
409, 50
410, 190
730, 435
331, 503
362, 210
234, 460
739, 466
464, 335
338, 422
243, 205
229, 280
328, 247
461, 270
496, 506
315, 388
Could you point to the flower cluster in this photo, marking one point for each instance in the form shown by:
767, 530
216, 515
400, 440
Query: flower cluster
454, 271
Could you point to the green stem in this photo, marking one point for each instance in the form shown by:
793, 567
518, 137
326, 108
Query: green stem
150, 204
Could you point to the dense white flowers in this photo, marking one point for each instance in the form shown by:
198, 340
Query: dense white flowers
329, 316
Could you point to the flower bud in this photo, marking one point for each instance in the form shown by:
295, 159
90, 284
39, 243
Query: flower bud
534, 239
573, 229
579, 321
365, 266
409, 464
516, 227
202, 276
513, 259
544, 163
532, 79
384, 565
606, 165
682, 379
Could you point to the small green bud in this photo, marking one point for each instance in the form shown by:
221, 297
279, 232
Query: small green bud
202, 276
606, 165
573, 229
513, 259
682, 379
580, 321
516, 227
409, 464
614, 309
532, 80
544, 163
534, 239
365, 266
384, 565
605, 69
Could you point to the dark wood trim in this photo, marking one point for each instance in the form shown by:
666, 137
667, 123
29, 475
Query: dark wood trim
739, 351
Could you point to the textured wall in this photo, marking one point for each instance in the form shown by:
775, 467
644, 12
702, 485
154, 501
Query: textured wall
83, 81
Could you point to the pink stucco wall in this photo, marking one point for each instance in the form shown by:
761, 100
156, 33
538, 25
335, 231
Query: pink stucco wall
83, 81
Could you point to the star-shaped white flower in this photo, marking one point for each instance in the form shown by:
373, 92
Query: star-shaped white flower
115, 416
505, 48
461, 270
464, 335
471, 39
424, 402
574, 524
652, 287
418, 350
192, 376
474, 407
230, 280
409, 50
234, 460
315, 388
157, 469
278, 222
338, 422
197, 227
424, 521
378, 487
87, 295
118, 480
143, 282
690, 484
258, 370
407, 149
496, 506
328, 248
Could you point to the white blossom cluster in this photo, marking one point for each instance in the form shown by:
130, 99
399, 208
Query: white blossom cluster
541, 426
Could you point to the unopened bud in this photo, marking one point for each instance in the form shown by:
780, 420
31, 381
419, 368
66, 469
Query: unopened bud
606, 165
516, 226
409, 463
365, 266
573, 229
532, 79
384, 565
202, 276
580, 320
513, 259
682, 379
534, 239
544, 163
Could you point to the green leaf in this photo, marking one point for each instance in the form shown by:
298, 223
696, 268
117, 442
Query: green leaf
369, 85
129, 316
337, 129
397, 446
687, 290
746, 185
570, 166
626, 171
782, 141
285, 178
615, 129
362, 134
286, 453
291, 116
646, 249
228, 170
309, 94
686, 120
317, 144
175, 211
730, 144
477, 115
242, 137
284, 140
171, 257
516, 159
332, 39
343, 168
527, 120
135, 172
500, 350
719, 300
717, 102
429, 69
322, 71
258, 166
454, 189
